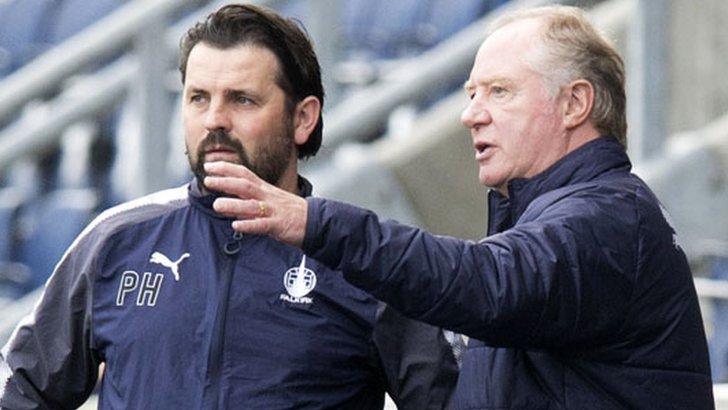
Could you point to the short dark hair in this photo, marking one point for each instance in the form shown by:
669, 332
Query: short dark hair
299, 73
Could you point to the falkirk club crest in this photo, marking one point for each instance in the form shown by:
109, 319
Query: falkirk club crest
299, 282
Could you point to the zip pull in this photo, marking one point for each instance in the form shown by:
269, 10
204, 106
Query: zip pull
233, 247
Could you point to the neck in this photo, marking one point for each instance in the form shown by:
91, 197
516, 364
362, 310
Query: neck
581, 136
572, 140
289, 179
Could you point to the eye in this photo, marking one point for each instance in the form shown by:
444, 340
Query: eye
241, 99
197, 98
497, 90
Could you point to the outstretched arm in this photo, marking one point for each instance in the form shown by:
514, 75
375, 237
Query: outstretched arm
546, 283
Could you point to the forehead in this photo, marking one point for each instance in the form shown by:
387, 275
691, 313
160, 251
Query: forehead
504, 54
247, 63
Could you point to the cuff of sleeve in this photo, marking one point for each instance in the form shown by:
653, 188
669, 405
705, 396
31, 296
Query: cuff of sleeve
313, 238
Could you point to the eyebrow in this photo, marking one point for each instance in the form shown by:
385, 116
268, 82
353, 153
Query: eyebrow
229, 93
469, 86
195, 90
237, 93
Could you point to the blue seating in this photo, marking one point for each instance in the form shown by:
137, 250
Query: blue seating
296, 9
393, 29
10, 203
7, 64
54, 222
14, 277
718, 343
356, 19
75, 15
380, 28
23, 32
447, 17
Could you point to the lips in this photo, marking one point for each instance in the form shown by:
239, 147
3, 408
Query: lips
483, 150
220, 153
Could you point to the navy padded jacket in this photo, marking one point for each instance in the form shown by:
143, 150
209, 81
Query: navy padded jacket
186, 314
579, 298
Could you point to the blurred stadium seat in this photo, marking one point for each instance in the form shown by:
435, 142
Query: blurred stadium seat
356, 18
10, 202
393, 28
75, 15
52, 223
23, 31
14, 277
446, 17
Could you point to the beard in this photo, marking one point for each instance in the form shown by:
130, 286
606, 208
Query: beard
269, 162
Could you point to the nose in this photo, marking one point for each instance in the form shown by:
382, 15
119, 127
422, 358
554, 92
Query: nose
475, 114
217, 117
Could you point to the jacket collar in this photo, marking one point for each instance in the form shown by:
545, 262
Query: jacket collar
203, 199
597, 157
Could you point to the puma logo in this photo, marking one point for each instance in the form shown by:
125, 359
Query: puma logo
161, 259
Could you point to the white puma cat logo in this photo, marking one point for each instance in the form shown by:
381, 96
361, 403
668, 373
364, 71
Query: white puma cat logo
159, 258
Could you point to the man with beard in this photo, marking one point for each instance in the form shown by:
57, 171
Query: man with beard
186, 313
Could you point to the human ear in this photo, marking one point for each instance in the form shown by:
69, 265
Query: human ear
579, 103
305, 117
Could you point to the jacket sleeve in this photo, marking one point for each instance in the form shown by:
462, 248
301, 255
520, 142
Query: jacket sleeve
48, 361
418, 363
547, 283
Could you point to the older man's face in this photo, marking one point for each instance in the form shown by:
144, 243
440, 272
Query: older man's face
515, 122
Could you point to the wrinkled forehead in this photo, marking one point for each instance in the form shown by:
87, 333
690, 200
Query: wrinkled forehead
516, 46
517, 35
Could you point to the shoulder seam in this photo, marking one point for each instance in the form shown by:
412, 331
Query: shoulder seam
170, 197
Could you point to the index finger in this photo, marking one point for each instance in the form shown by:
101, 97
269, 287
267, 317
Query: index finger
240, 187
227, 169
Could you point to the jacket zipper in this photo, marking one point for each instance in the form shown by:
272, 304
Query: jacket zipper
212, 399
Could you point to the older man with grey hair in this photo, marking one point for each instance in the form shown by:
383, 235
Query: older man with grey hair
580, 296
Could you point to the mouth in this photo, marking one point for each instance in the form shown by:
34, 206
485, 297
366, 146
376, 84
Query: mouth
219, 152
482, 149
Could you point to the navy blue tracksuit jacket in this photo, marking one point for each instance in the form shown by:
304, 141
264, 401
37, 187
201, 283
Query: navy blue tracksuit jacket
579, 298
186, 314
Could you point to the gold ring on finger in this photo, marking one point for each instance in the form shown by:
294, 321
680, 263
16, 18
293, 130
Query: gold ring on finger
262, 209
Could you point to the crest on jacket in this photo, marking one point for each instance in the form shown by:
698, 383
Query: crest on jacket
299, 281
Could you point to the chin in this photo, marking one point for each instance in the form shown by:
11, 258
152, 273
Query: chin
487, 180
490, 182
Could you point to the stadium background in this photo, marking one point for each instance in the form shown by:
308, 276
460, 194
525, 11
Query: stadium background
89, 117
